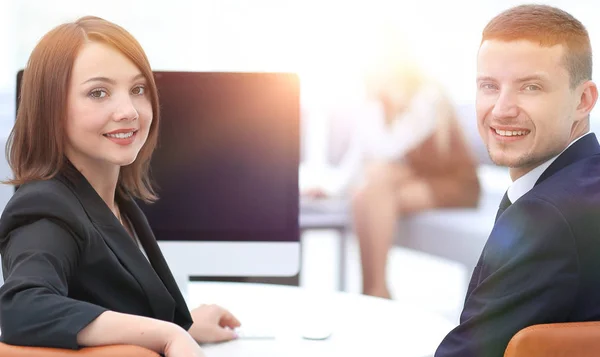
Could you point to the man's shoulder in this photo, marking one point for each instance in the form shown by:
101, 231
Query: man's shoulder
580, 177
572, 193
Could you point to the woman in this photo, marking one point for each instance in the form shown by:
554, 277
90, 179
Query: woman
408, 155
81, 265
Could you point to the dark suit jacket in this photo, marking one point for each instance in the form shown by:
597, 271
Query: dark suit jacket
66, 259
541, 263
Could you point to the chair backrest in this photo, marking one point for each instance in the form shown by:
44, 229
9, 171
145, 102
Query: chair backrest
574, 339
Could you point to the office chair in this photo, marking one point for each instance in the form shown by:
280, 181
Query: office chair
103, 351
573, 339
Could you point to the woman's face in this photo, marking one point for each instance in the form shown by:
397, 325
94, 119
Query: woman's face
109, 111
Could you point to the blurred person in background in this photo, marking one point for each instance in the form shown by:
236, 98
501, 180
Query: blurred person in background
407, 155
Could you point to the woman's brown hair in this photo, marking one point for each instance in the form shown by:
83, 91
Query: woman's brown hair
36, 146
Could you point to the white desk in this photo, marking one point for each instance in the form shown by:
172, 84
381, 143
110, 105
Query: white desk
360, 325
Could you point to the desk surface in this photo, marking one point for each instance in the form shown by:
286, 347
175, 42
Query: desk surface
360, 325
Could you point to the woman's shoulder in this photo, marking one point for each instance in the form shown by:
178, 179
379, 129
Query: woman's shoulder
53, 191
45, 199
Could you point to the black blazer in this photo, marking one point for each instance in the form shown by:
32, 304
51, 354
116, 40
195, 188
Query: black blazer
541, 263
66, 259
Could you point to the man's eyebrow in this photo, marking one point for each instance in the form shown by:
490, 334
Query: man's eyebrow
533, 77
485, 78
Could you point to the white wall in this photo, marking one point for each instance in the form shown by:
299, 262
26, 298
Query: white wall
326, 41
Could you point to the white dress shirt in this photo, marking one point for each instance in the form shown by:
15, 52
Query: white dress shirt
523, 184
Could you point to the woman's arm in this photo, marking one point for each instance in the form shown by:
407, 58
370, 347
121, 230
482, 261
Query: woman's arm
112, 328
39, 260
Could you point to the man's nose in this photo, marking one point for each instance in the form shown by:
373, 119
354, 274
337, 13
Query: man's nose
506, 105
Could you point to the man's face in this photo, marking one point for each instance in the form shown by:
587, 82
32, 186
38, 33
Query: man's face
527, 111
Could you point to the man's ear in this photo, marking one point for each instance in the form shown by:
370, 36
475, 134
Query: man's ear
587, 99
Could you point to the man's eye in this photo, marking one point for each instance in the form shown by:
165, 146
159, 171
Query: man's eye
488, 86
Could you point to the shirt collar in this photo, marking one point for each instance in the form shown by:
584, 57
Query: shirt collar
526, 182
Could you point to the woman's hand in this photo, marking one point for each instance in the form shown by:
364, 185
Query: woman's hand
315, 193
181, 344
213, 323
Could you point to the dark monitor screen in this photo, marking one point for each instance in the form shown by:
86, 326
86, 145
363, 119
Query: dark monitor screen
226, 167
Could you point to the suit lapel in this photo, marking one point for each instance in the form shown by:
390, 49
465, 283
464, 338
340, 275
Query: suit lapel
583, 148
124, 246
142, 227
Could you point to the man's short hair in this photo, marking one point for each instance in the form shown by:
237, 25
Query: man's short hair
548, 26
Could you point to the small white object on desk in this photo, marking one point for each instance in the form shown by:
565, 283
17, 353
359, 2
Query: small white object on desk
316, 332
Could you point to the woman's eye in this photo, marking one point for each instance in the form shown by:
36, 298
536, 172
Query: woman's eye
139, 90
98, 93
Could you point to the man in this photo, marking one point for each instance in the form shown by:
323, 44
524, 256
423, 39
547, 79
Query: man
541, 263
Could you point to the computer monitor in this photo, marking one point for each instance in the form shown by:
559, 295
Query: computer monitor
226, 173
